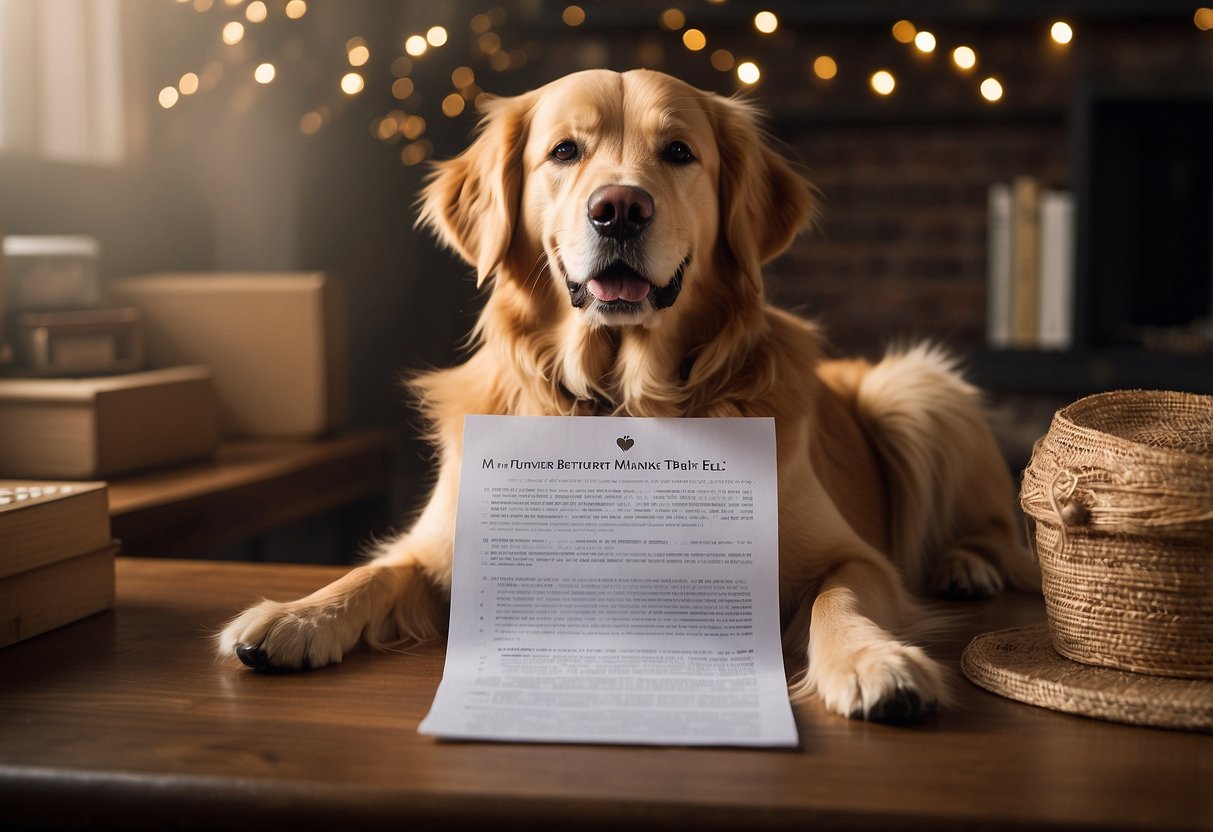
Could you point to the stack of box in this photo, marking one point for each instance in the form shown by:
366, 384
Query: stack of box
56, 323
56, 556
75, 402
247, 355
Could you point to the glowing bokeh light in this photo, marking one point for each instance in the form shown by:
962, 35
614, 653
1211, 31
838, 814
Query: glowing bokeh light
883, 82
357, 51
573, 15
1061, 32
311, 123
489, 43
766, 22
402, 88
924, 42
991, 89
722, 59
386, 128
412, 127
904, 31
453, 105
416, 153
233, 32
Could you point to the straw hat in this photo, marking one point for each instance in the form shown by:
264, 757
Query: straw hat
1119, 500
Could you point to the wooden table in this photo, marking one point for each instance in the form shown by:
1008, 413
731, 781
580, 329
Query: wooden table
125, 721
250, 488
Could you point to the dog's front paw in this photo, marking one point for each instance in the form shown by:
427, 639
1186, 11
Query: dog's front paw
883, 682
273, 636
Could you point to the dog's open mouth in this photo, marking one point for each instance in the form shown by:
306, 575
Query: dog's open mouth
620, 288
619, 281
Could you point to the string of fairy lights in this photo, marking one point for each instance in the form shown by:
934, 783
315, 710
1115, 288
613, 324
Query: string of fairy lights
406, 123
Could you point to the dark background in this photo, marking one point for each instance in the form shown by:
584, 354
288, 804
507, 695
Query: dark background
228, 180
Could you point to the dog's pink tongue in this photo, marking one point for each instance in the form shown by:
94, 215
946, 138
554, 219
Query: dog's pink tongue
619, 287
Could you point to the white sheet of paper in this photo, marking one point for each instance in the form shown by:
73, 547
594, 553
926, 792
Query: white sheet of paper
616, 581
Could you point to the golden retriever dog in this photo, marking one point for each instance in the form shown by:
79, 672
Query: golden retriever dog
622, 221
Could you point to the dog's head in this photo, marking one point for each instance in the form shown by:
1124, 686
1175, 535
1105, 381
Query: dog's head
631, 194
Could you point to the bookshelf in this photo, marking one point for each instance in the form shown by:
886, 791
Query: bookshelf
1143, 251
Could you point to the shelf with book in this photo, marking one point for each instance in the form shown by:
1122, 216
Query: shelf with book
1108, 283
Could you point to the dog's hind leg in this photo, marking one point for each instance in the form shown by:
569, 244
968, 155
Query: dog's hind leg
963, 573
955, 530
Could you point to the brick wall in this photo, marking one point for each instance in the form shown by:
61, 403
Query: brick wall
900, 247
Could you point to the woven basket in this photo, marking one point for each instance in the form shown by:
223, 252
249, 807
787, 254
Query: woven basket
1119, 496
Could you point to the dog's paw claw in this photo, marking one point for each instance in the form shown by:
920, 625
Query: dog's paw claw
887, 682
902, 705
253, 657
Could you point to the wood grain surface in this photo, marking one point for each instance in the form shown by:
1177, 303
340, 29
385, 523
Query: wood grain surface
126, 721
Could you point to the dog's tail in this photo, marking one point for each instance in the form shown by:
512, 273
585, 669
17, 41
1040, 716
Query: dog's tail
950, 486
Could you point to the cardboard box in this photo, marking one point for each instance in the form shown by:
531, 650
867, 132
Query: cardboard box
275, 343
95, 428
51, 272
50, 596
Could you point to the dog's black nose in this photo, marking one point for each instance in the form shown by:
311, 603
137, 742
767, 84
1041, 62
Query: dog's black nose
621, 211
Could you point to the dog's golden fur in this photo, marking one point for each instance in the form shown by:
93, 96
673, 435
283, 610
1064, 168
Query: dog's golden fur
890, 484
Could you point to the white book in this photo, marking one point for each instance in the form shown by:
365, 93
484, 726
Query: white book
998, 282
1056, 311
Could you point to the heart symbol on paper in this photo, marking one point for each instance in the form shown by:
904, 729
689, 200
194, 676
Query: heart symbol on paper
625, 442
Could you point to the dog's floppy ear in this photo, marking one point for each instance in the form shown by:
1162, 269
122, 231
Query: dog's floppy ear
764, 201
471, 202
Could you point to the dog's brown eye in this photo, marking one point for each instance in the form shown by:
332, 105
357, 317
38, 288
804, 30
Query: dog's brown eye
678, 153
566, 151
